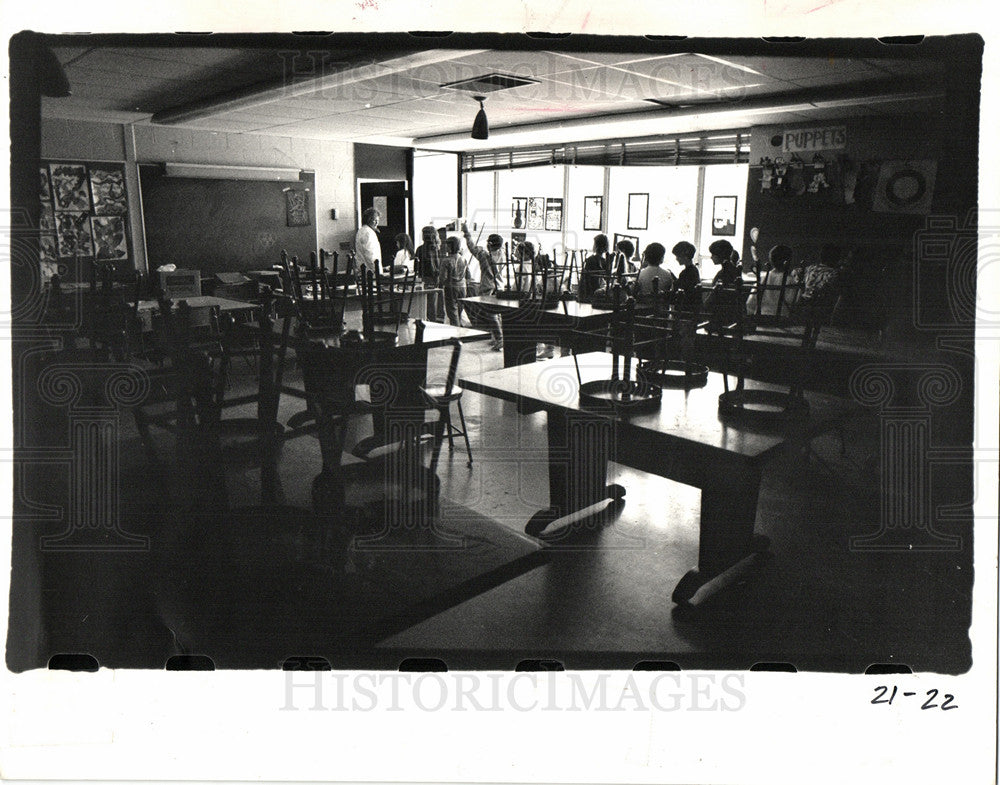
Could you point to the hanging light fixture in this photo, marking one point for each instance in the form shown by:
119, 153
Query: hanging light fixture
481, 126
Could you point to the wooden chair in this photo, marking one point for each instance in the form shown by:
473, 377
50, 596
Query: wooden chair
111, 321
773, 297
388, 478
441, 398
197, 342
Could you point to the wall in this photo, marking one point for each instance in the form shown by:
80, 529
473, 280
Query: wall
333, 162
885, 241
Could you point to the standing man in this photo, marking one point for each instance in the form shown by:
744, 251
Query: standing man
367, 251
489, 259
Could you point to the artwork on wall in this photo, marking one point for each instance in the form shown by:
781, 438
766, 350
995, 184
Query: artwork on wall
593, 213
107, 190
48, 256
73, 232
724, 216
84, 213
69, 187
518, 211
46, 219
109, 238
632, 239
905, 187
43, 188
553, 215
638, 211
297, 207
536, 213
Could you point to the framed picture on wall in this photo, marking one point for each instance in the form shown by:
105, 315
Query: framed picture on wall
297, 207
536, 213
518, 211
638, 211
553, 215
724, 216
593, 213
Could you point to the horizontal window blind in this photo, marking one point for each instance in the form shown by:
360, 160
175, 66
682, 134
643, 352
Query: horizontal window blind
716, 147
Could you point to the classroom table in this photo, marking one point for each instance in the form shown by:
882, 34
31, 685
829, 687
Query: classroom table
525, 324
684, 439
147, 307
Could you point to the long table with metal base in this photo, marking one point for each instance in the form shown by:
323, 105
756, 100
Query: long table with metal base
684, 439
526, 323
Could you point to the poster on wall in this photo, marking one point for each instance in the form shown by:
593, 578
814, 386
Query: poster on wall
69, 187
536, 213
47, 256
45, 192
553, 215
905, 187
73, 231
297, 207
47, 250
593, 213
109, 238
724, 216
107, 189
638, 211
518, 211
46, 219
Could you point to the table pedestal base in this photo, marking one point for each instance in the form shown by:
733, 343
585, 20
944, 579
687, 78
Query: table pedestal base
698, 586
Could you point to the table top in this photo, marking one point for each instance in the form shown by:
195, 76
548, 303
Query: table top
566, 311
202, 301
683, 415
435, 333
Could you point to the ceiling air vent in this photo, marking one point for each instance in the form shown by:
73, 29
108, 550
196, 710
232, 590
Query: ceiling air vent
490, 83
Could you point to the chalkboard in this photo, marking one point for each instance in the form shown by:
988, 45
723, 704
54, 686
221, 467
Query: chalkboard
222, 225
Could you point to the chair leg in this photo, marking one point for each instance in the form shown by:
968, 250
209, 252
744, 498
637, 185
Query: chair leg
448, 427
465, 431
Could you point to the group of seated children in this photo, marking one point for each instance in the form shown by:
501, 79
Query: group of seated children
779, 287
601, 266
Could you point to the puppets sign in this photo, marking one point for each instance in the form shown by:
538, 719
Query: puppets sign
808, 140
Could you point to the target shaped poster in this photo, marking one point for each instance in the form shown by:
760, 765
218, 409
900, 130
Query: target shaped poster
905, 187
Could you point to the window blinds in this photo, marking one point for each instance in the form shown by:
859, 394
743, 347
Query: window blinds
717, 147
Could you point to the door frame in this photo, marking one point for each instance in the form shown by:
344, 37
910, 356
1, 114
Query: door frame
357, 198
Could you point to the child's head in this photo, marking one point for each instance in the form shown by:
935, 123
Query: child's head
527, 251
683, 252
654, 253
452, 246
494, 242
601, 244
626, 247
779, 257
403, 242
430, 236
721, 251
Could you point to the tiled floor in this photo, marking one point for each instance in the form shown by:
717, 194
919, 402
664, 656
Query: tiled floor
603, 597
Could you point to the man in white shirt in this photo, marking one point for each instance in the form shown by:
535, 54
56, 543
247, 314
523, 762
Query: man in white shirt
367, 252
